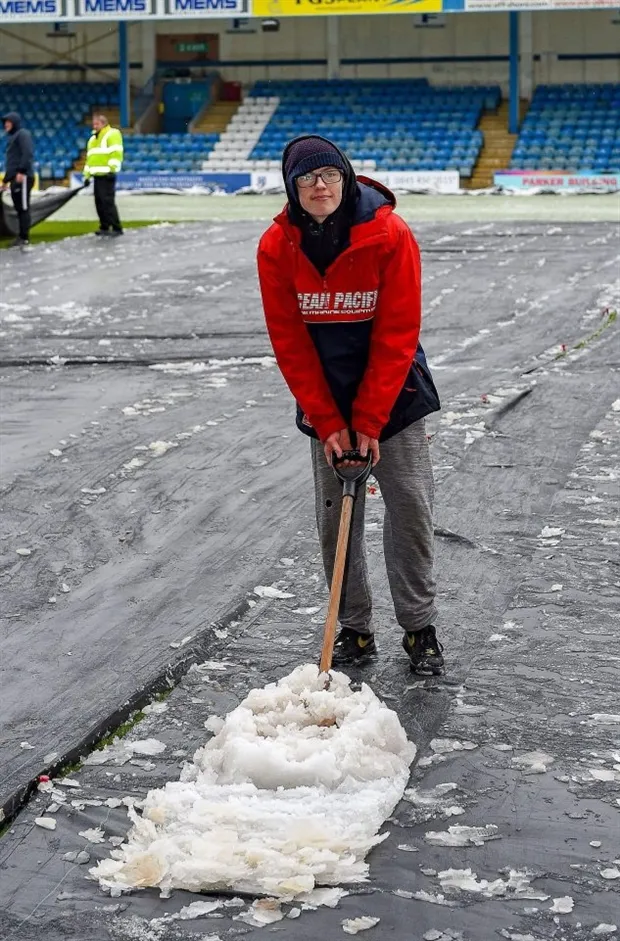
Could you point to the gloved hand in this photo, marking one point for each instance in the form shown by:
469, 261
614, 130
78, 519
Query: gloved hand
87, 181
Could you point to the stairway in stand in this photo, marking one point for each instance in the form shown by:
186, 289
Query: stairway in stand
216, 119
496, 149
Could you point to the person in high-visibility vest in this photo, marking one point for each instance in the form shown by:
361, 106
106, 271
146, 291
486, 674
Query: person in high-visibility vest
104, 158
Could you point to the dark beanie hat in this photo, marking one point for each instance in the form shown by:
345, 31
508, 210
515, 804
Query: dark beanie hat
308, 154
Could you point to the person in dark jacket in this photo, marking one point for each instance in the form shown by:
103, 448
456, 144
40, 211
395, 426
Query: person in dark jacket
19, 171
341, 285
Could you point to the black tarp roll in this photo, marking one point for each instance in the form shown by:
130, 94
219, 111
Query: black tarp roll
42, 205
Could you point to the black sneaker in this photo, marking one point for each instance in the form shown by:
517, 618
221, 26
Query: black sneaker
352, 647
102, 232
115, 233
424, 651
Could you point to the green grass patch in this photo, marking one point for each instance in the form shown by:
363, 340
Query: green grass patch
609, 317
55, 231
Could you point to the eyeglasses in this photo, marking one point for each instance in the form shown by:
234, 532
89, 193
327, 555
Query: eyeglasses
328, 176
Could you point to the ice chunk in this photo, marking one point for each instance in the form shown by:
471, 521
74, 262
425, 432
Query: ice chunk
198, 909
443, 746
269, 591
321, 897
355, 925
147, 746
604, 774
159, 448
24, 551
517, 885
262, 912
550, 532
94, 835
533, 762
47, 823
563, 905
461, 836
267, 806
155, 708
603, 929
610, 873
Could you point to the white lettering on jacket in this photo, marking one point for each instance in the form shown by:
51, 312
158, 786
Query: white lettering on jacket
338, 305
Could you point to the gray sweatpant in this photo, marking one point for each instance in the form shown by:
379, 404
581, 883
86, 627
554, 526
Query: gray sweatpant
405, 476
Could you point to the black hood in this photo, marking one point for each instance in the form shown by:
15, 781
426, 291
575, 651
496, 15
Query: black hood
16, 120
349, 188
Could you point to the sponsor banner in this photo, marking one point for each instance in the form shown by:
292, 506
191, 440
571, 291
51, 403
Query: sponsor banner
47, 11
32, 11
211, 182
547, 179
495, 5
323, 7
115, 9
440, 181
205, 9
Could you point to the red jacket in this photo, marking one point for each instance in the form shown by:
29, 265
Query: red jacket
346, 342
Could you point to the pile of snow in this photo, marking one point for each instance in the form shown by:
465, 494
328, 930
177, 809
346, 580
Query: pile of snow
289, 794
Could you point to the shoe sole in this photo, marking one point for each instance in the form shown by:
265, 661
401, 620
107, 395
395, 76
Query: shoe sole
427, 671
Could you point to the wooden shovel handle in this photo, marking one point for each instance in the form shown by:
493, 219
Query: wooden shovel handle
335, 591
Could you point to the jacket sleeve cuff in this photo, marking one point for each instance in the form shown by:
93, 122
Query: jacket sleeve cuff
326, 428
366, 425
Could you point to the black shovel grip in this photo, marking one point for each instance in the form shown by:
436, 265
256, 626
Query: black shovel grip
351, 477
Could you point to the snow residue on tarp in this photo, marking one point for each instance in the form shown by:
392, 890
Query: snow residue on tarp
289, 794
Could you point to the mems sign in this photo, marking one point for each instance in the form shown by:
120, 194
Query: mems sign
224, 7
114, 7
30, 8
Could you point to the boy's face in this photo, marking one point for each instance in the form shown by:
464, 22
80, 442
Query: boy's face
318, 198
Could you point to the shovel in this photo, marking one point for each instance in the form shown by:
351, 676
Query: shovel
351, 478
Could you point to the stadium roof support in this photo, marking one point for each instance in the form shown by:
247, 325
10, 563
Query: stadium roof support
513, 74
123, 75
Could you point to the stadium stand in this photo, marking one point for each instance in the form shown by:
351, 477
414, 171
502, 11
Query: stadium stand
174, 153
400, 124
571, 127
56, 116
383, 124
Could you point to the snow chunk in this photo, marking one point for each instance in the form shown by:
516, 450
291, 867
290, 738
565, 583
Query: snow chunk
443, 746
562, 906
147, 746
267, 806
462, 836
604, 774
269, 591
533, 762
604, 929
160, 447
354, 925
24, 552
605, 717
551, 532
516, 886
610, 873
94, 835
155, 708
321, 897
47, 823
262, 912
